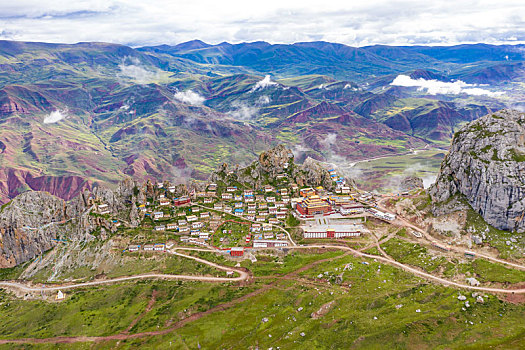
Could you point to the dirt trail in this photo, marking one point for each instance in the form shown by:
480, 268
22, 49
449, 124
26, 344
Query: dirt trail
175, 326
146, 310
404, 222
243, 275
416, 271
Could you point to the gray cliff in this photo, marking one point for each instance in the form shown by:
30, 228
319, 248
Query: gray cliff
486, 164
34, 222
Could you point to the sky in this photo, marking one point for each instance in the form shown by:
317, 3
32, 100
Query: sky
351, 22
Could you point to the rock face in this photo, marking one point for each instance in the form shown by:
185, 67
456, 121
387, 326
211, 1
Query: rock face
410, 183
486, 164
25, 229
278, 160
34, 222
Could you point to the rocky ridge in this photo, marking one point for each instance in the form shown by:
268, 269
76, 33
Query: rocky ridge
35, 222
276, 161
486, 165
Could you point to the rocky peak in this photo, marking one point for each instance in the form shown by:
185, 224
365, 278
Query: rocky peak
486, 164
32, 222
410, 183
25, 226
276, 159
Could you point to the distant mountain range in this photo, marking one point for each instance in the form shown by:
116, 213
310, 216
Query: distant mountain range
75, 115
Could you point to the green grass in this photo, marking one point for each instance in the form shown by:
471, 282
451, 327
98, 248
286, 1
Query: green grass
233, 239
267, 265
11, 273
351, 323
292, 221
413, 254
127, 264
379, 310
109, 310
491, 272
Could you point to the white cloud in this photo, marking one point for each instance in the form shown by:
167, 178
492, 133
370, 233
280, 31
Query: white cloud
137, 72
262, 84
298, 151
54, 117
190, 97
263, 100
418, 170
242, 111
329, 145
329, 141
180, 175
434, 87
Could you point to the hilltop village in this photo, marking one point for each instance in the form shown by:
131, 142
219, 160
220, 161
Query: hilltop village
233, 217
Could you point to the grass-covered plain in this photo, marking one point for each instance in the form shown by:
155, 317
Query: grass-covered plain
298, 306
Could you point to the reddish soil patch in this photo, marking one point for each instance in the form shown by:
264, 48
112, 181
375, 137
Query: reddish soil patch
173, 327
515, 298
146, 310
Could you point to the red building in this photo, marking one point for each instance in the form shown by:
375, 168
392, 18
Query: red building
237, 251
181, 201
313, 205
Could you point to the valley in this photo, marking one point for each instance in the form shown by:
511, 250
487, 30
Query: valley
73, 116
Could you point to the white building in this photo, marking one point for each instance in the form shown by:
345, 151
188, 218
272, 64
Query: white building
159, 247
103, 209
382, 215
269, 243
60, 296
348, 231
349, 209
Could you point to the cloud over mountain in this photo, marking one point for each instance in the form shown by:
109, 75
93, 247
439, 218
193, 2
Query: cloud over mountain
137, 72
54, 117
190, 97
434, 87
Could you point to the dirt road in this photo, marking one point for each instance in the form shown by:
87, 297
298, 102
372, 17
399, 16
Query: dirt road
243, 275
412, 270
404, 222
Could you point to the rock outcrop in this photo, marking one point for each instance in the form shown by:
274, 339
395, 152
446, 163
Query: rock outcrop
26, 228
411, 183
33, 222
486, 164
276, 161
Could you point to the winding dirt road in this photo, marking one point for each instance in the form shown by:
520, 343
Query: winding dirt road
412, 270
243, 275
404, 222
